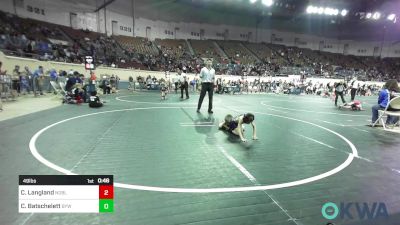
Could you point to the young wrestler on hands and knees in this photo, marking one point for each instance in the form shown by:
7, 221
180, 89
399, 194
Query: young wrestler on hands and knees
235, 125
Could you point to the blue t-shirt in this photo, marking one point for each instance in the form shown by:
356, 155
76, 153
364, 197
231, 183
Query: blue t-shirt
53, 74
37, 73
78, 80
384, 97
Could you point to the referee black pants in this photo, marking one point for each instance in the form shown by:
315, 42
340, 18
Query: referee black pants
206, 87
353, 93
185, 87
337, 93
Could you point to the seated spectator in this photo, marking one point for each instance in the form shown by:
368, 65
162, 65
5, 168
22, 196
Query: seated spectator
94, 100
71, 82
383, 101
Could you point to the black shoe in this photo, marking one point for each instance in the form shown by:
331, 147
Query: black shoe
198, 111
210, 111
376, 125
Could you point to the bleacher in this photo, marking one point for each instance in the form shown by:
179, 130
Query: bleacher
80, 34
43, 30
205, 49
172, 47
136, 45
265, 53
236, 52
46, 41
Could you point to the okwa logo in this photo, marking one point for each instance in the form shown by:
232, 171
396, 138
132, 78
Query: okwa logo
351, 210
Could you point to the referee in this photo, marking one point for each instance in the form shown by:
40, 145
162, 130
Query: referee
207, 76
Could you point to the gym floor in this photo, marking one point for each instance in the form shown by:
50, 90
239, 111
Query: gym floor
172, 165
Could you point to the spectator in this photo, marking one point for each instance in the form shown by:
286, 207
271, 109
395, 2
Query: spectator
38, 79
131, 83
2, 72
54, 78
184, 85
72, 80
16, 82
106, 86
113, 81
383, 101
92, 82
193, 83
94, 100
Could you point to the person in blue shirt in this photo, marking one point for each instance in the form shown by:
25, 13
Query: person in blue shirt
383, 101
53, 77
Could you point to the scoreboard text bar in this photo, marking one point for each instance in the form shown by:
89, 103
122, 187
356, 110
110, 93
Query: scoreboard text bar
66, 193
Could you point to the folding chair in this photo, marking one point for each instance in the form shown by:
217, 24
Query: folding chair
394, 104
62, 86
55, 87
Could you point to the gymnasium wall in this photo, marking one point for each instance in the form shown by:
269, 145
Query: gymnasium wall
9, 63
162, 26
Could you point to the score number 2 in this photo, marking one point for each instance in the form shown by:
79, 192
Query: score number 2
106, 192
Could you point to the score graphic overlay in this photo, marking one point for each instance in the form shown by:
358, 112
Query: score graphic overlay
89, 63
66, 193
